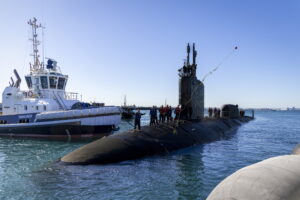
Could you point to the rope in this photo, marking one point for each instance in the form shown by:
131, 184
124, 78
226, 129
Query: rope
129, 123
217, 67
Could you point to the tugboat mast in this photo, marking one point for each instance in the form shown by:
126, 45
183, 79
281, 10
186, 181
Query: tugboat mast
37, 65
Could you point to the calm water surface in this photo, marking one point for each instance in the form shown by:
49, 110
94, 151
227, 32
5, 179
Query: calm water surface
28, 168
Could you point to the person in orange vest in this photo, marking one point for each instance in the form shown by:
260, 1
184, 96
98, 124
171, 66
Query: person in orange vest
177, 112
161, 113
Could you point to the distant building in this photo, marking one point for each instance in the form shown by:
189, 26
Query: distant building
293, 109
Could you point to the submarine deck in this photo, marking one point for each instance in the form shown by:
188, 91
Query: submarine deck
152, 140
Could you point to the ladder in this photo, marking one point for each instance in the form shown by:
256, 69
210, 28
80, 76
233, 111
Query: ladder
59, 101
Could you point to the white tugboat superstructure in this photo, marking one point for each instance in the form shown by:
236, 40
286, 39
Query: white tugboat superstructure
46, 103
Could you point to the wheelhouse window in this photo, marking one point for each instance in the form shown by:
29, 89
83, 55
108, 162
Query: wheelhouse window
61, 83
28, 81
44, 82
65, 83
24, 120
53, 82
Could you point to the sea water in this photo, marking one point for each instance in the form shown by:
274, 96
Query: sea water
29, 169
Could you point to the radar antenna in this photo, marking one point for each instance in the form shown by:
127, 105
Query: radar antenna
37, 65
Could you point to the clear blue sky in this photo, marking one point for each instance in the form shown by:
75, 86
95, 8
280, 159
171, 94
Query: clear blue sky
116, 47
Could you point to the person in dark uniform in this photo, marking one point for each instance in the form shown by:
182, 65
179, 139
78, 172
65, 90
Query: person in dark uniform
218, 113
167, 111
137, 120
153, 116
210, 111
215, 112
170, 114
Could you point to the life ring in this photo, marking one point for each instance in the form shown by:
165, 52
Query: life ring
30, 93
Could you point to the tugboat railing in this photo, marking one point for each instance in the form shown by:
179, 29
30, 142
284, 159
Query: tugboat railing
71, 95
49, 94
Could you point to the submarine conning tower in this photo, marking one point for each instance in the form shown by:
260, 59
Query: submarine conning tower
191, 90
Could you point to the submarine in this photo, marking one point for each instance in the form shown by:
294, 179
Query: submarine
191, 128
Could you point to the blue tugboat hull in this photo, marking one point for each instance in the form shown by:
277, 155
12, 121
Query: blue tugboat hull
69, 129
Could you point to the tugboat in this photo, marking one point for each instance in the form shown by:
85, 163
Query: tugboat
46, 110
127, 111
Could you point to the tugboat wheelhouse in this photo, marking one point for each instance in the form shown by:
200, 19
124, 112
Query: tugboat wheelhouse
47, 100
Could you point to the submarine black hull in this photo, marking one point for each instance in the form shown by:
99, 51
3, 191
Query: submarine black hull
152, 140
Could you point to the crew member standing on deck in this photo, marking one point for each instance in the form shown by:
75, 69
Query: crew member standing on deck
210, 110
137, 120
219, 113
170, 113
177, 112
167, 110
164, 114
161, 113
215, 112
153, 116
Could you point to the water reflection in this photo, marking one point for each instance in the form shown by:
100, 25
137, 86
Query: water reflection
190, 166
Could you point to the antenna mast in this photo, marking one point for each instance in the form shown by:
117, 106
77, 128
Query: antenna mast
37, 65
125, 101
